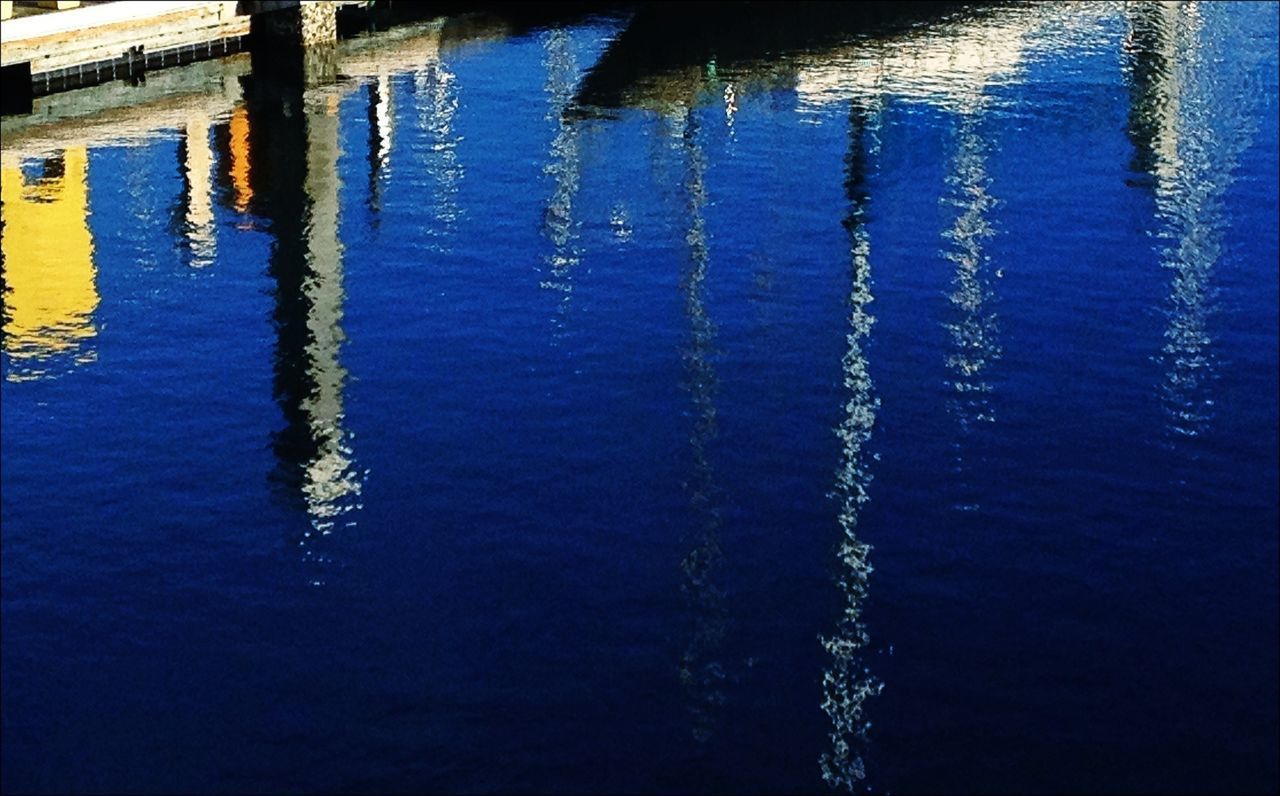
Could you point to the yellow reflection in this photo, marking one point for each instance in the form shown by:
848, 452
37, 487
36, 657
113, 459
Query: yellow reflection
241, 187
48, 264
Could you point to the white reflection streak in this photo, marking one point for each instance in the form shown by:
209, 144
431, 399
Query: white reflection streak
700, 673
436, 99
846, 682
381, 122
382, 117
974, 344
730, 108
558, 224
1199, 135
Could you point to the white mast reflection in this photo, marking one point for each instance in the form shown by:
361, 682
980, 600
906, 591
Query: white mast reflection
700, 673
975, 347
1192, 120
436, 100
558, 224
846, 682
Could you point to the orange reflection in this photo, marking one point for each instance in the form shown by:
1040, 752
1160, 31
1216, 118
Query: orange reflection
240, 185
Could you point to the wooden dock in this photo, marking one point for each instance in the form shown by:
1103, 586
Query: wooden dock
50, 52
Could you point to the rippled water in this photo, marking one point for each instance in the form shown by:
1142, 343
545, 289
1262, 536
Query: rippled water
653, 402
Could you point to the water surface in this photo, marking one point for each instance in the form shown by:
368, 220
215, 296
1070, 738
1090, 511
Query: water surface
647, 403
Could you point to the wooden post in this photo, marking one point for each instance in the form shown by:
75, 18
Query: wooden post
6, 9
295, 42
292, 25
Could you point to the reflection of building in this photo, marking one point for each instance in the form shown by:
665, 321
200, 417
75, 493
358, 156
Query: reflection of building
49, 274
1187, 137
846, 682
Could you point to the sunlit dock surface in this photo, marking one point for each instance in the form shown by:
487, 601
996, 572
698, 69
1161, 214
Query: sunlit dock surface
106, 41
610, 399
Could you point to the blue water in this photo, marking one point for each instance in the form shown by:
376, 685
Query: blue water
655, 404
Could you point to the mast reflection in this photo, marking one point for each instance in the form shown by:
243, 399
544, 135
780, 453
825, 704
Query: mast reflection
558, 224
847, 682
50, 278
1187, 140
435, 97
294, 150
380, 129
974, 328
701, 675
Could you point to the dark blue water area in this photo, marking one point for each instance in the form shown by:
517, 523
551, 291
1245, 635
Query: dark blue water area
766, 427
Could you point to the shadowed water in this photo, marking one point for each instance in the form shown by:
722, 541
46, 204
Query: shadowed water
821, 398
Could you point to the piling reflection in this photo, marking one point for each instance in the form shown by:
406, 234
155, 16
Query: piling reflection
847, 682
380, 129
294, 149
50, 278
701, 674
558, 224
197, 191
973, 328
1189, 121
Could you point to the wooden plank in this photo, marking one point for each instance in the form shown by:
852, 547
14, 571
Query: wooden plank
84, 19
196, 24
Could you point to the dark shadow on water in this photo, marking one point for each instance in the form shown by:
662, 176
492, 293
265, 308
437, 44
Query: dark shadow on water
653, 57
